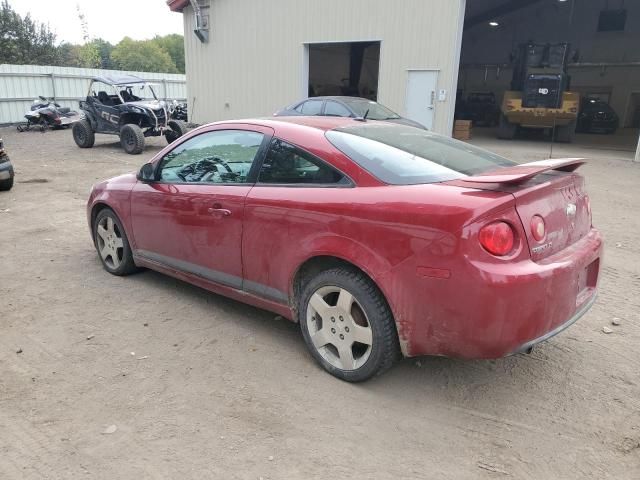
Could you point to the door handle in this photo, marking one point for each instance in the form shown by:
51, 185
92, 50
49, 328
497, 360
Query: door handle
219, 211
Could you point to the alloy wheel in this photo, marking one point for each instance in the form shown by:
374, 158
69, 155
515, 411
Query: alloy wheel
339, 328
110, 245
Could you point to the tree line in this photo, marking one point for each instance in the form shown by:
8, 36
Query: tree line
24, 41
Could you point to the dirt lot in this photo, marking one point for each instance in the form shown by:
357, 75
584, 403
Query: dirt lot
147, 377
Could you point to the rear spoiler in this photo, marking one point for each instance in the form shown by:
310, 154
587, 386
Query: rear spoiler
526, 171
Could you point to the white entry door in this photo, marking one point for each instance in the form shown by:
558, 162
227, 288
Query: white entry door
421, 96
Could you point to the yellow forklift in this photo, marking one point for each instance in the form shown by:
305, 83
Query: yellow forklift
540, 97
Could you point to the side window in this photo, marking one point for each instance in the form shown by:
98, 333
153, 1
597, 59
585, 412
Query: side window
335, 109
288, 164
311, 107
223, 156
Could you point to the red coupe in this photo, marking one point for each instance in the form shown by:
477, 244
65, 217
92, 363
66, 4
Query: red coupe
380, 239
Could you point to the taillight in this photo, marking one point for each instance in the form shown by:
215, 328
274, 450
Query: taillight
538, 229
497, 238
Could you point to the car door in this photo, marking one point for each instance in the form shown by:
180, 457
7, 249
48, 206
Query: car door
291, 202
191, 218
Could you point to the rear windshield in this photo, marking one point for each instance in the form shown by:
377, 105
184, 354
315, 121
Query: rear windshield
402, 155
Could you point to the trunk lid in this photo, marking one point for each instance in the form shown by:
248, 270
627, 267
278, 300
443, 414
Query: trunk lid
549, 189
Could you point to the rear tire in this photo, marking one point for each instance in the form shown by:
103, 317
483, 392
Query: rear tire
112, 244
506, 129
83, 134
566, 133
178, 128
132, 139
348, 325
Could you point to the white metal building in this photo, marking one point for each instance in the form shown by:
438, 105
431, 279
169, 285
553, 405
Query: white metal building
256, 59
252, 57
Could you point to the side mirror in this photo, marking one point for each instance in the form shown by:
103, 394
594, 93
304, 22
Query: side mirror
147, 173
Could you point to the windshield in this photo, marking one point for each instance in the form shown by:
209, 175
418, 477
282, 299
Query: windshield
402, 155
136, 92
376, 111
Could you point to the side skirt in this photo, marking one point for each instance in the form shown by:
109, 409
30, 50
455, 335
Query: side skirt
235, 293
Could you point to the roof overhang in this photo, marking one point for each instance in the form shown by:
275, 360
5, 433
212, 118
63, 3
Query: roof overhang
177, 5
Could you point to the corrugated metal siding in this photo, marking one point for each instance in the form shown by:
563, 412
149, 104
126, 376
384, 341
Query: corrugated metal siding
20, 84
253, 63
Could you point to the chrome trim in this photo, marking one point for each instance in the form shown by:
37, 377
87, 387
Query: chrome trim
529, 345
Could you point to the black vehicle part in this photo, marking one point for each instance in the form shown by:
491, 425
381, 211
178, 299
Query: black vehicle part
83, 134
6, 185
507, 130
565, 133
132, 139
175, 130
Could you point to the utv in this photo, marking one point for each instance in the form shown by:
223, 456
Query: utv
127, 106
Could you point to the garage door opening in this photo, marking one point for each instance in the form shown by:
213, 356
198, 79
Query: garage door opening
349, 69
549, 70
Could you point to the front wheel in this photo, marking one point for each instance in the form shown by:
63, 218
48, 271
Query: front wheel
83, 134
347, 325
112, 244
132, 139
176, 129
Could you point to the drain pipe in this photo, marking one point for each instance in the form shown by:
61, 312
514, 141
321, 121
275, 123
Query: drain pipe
202, 22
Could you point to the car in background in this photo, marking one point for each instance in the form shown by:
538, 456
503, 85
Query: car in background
479, 107
597, 116
6, 169
349, 107
380, 240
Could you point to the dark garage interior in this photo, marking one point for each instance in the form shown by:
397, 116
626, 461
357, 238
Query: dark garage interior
344, 69
530, 68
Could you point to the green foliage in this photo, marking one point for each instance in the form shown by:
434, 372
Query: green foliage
69, 55
90, 56
104, 49
174, 45
23, 41
142, 55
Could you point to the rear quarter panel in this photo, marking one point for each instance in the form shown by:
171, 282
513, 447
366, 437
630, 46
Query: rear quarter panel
398, 235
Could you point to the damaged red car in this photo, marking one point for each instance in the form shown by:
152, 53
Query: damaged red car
380, 240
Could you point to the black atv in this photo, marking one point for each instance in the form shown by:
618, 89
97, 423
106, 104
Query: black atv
127, 106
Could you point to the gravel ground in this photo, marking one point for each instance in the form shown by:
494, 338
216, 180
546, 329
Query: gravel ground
148, 377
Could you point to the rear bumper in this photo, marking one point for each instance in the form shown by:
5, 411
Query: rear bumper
532, 343
491, 310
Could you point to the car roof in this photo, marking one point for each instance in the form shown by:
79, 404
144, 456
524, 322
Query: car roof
119, 79
337, 97
315, 122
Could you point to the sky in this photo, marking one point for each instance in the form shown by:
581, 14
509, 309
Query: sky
108, 19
